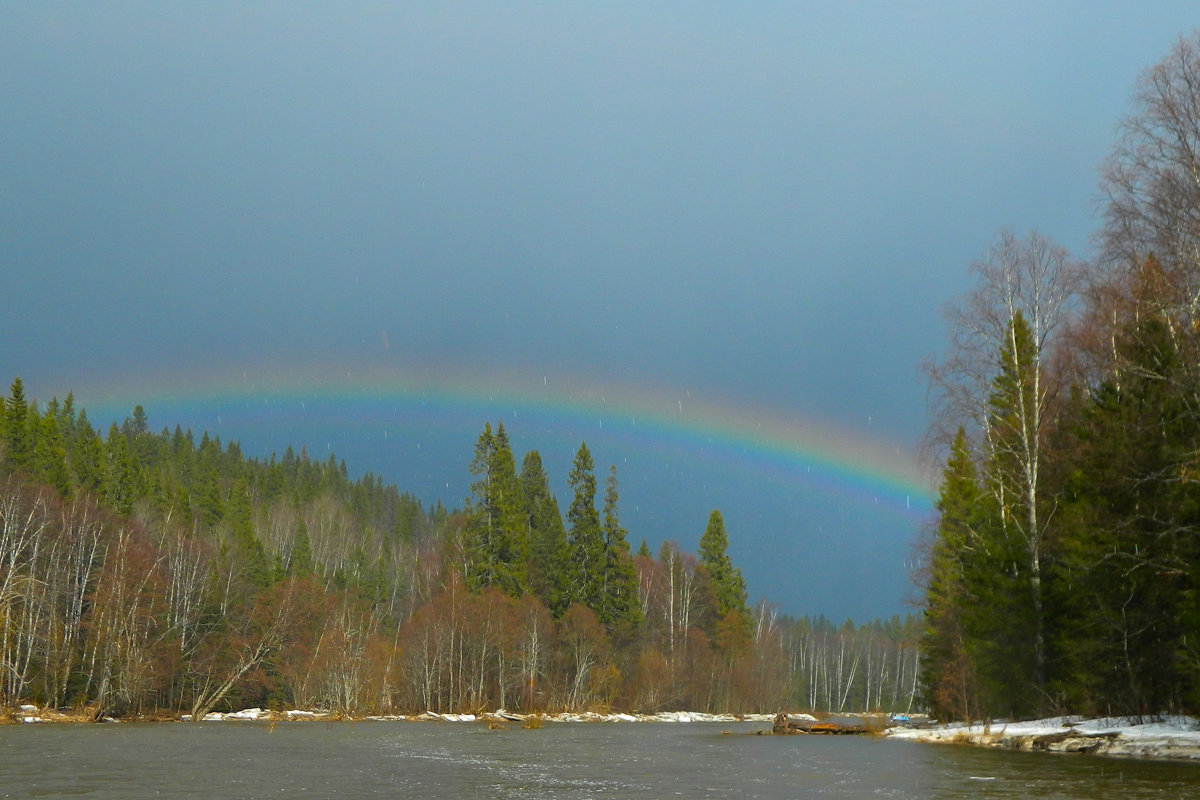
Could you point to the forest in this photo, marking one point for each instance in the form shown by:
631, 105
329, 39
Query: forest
1063, 573
150, 573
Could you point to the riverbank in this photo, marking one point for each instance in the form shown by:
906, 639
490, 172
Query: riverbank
32, 715
1173, 738
500, 717
1166, 738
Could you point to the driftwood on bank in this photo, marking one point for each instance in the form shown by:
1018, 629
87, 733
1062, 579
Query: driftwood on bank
840, 724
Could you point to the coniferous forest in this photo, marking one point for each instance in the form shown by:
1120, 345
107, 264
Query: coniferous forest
1063, 574
147, 572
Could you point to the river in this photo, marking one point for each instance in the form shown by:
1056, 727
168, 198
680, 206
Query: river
432, 761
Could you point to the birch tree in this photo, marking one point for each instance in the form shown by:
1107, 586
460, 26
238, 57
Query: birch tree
995, 383
24, 519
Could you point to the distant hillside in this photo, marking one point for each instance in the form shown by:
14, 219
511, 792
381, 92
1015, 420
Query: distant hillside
146, 571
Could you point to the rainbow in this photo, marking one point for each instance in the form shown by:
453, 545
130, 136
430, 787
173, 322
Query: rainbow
396, 402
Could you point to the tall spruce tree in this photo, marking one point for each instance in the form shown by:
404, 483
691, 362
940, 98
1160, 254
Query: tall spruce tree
85, 456
207, 494
48, 455
510, 511
67, 416
621, 609
123, 482
549, 553
243, 545
946, 669
586, 537
729, 588
496, 549
16, 426
479, 553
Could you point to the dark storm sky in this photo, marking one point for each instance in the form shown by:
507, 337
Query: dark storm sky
761, 205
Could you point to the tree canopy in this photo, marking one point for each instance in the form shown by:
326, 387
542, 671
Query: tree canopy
1062, 574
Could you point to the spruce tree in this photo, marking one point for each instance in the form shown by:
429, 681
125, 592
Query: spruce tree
67, 415
946, 671
123, 482
496, 536
585, 536
621, 608
478, 552
16, 426
48, 458
86, 456
301, 562
729, 588
246, 548
549, 553
513, 556
1127, 610
137, 423
207, 495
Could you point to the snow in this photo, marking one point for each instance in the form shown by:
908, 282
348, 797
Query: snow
502, 715
433, 715
217, 716
1167, 737
297, 714
248, 713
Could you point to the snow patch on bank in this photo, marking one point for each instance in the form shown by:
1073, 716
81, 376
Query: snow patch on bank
1167, 737
500, 715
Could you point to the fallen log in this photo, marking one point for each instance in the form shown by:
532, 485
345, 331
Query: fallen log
844, 724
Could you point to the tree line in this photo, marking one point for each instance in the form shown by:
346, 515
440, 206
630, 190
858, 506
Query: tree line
1063, 573
144, 572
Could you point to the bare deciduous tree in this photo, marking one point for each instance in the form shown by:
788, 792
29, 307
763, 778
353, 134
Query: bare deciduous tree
24, 517
1151, 236
1152, 179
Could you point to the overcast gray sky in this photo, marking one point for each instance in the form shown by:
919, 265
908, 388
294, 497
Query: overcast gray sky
540, 212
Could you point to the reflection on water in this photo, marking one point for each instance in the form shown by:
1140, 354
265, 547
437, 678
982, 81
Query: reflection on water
431, 760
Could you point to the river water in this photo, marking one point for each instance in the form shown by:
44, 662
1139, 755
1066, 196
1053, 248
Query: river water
571, 761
